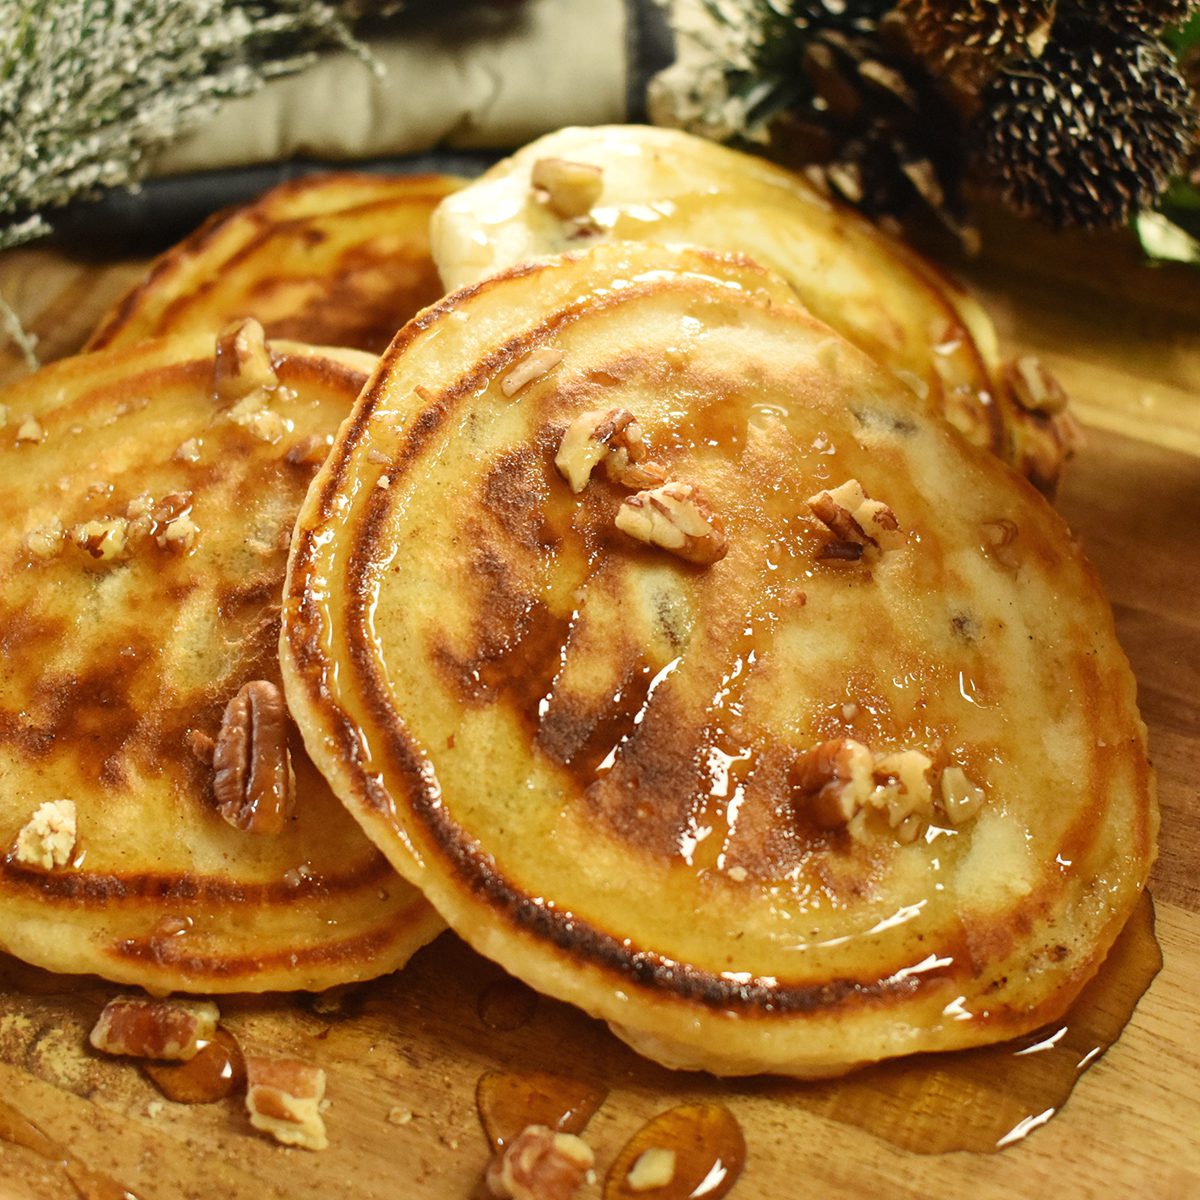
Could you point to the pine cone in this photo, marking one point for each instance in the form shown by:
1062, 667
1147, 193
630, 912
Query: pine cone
966, 40
1146, 16
1090, 132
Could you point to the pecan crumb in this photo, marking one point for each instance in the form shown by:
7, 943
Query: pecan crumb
165, 1030
568, 189
31, 430
45, 541
47, 839
539, 1164
283, 1098
189, 451
678, 518
533, 366
654, 1169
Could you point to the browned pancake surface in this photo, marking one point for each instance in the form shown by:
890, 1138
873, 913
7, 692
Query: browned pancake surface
662, 185
121, 648
591, 754
335, 260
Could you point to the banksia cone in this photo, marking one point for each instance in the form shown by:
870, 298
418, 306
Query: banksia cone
1088, 133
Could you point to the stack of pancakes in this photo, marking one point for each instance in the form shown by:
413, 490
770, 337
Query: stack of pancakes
670, 610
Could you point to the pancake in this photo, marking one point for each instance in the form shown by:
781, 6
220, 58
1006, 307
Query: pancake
143, 532
339, 260
845, 763
663, 185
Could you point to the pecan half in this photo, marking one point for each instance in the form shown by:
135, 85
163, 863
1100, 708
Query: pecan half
252, 767
539, 1164
611, 436
167, 1030
283, 1098
677, 517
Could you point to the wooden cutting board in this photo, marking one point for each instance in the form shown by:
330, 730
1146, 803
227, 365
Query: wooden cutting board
1125, 339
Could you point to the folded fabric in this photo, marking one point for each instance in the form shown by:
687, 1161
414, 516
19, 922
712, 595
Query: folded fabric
486, 75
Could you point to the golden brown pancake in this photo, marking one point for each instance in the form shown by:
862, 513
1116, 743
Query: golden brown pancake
144, 524
851, 768
335, 260
663, 185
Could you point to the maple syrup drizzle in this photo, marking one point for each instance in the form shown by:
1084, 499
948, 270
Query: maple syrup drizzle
506, 1004
507, 1101
18, 1129
215, 1072
983, 1100
709, 1153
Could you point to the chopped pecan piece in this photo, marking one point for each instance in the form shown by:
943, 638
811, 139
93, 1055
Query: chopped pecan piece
179, 534
677, 517
568, 189
902, 792
105, 540
855, 519
844, 783
1033, 387
836, 777
283, 1098
253, 779
167, 1030
47, 839
961, 799
539, 1164
613, 437
45, 541
533, 366
243, 362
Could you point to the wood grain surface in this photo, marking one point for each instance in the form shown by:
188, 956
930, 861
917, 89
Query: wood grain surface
1125, 339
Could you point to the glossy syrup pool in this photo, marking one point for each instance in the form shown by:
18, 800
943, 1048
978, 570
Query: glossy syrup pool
706, 1154
217, 1070
983, 1100
975, 1100
507, 1101
19, 1130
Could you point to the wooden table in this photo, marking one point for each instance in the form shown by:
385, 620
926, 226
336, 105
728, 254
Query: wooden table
1125, 339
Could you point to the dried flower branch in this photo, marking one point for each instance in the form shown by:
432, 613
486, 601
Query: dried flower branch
89, 89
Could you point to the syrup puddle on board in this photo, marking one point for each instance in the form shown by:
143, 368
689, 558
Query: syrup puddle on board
18, 1129
216, 1071
507, 1101
983, 1100
707, 1149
